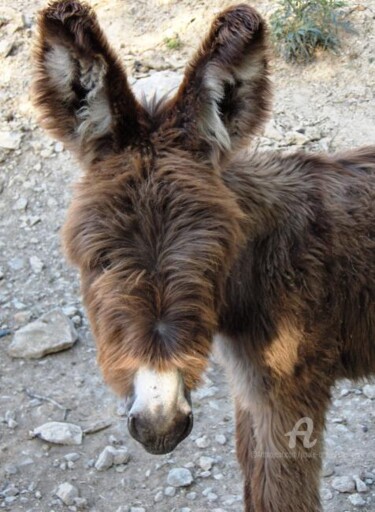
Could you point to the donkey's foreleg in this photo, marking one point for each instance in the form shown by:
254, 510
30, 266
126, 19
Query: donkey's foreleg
245, 445
287, 461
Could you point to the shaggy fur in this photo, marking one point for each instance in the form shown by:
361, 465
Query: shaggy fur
179, 235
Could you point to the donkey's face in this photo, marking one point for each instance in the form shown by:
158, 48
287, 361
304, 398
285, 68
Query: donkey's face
152, 227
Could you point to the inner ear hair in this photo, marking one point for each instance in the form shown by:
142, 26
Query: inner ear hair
80, 88
226, 89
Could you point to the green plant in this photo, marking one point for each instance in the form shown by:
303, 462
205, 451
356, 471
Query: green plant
173, 43
302, 26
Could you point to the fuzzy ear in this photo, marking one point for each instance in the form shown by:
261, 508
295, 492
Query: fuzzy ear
80, 88
225, 96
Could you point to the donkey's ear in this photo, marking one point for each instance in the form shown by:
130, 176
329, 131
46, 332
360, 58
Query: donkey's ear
225, 95
80, 89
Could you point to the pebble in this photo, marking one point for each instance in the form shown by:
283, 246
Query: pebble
206, 463
16, 263
343, 484
326, 494
369, 391
202, 442
20, 204
12, 490
72, 457
67, 493
191, 496
221, 439
328, 469
59, 433
179, 477
360, 484
10, 140
356, 500
158, 497
51, 333
111, 456
137, 509
170, 491
10, 469
36, 264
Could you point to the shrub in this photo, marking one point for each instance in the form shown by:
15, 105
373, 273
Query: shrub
302, 26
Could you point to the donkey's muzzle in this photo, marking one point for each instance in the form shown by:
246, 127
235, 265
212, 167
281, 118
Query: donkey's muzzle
159, 436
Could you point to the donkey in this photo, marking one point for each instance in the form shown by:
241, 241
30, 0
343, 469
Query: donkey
181, 234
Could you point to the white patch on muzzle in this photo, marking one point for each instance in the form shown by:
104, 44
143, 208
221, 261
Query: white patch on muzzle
159, 393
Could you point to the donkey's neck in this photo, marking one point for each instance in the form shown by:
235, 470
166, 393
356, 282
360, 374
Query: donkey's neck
282, 200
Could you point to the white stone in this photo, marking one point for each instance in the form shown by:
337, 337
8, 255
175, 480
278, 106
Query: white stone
111, 456
59, 433
369, 391
360, 484
356, 500
221, 439
36, 264
170, 491
179, 477
51, 333
326, 494
343, 484
206, 463
202, 442
10, 140
67, 493
158, 497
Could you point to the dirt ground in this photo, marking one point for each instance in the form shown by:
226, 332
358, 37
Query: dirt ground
325, 106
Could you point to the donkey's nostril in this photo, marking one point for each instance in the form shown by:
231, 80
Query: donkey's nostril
132, 425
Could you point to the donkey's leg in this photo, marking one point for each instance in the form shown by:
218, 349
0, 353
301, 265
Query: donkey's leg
287, 465
245, 444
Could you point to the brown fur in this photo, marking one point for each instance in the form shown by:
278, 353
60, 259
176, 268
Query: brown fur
180, 235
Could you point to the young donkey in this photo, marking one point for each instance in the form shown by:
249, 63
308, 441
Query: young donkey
179, 235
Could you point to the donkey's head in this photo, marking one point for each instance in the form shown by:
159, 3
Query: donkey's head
152, 227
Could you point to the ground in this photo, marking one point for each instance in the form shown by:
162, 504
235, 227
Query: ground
325, 106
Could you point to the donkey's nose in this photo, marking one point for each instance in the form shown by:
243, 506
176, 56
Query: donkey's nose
157, 435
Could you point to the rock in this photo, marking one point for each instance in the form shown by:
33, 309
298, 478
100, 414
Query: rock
211, 496
206, 392
10, 140
72, 457
369, 391
36, 264
202, 442
170, 491
360, 484
221, 439
356, 500
343, 484
59, 433
179, 477
158, 497
20, 204
111, 456
328, 469
137, 509
161, 83
326, 494
11, 490
51, 333
80, 503
16, 263
67, 493
295, 139
206, 463
191, 496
